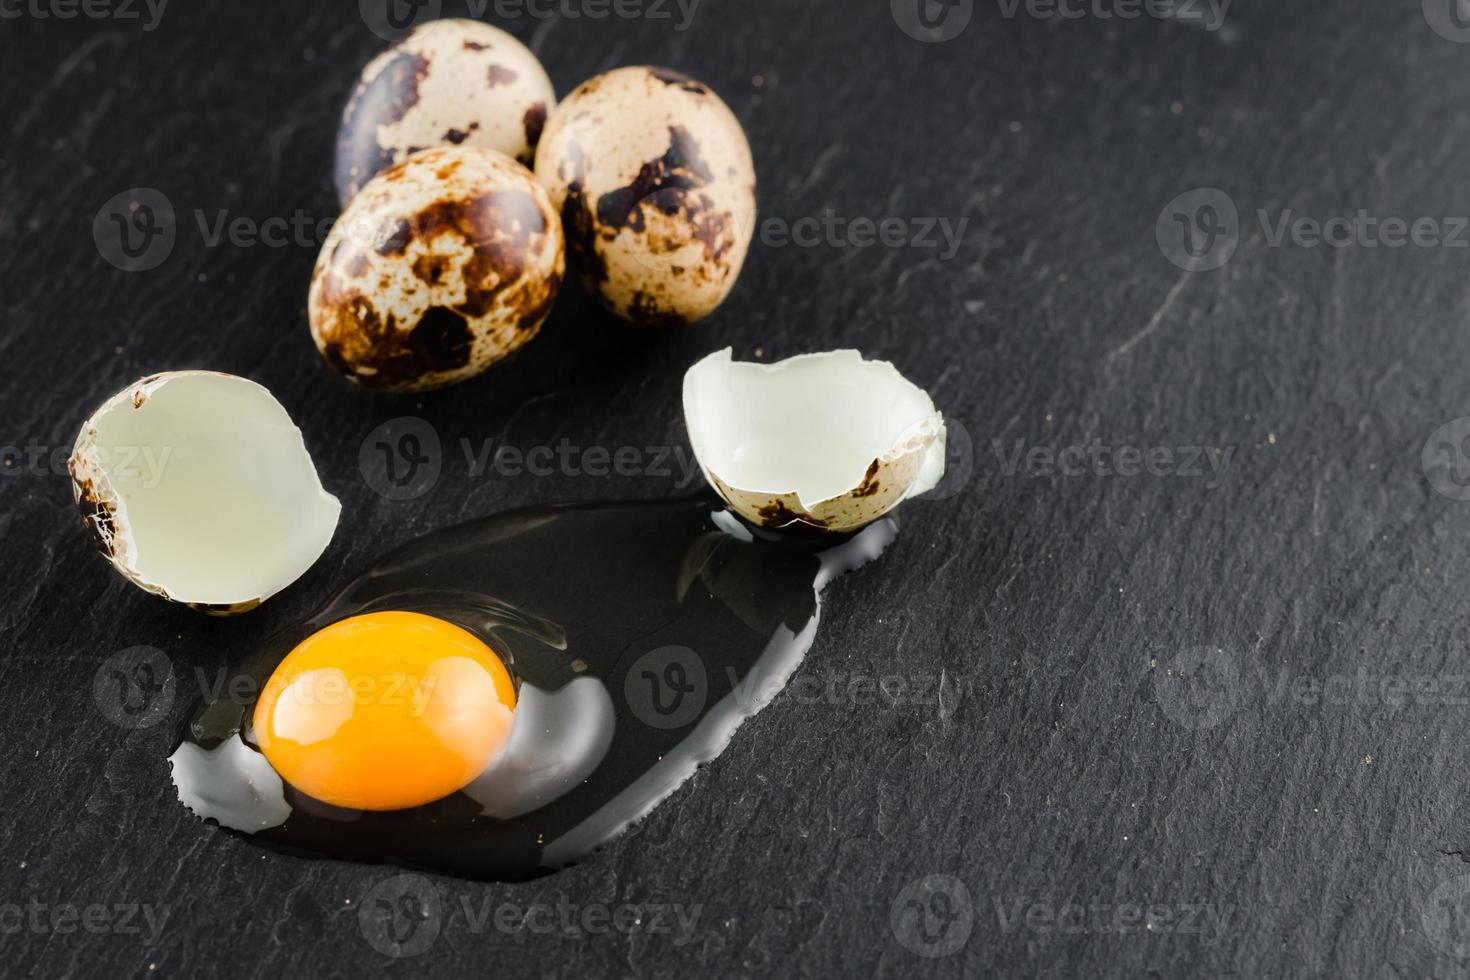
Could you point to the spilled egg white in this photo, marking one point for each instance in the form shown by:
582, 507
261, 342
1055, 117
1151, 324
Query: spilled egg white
198, 488
652, 175
448, 83
374, 735
441, 266
830, 441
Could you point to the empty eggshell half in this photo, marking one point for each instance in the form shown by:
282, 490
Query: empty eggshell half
198, 488
828, 440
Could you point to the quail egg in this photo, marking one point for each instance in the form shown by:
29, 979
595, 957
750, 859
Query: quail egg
450, 82
653, 178
441, 266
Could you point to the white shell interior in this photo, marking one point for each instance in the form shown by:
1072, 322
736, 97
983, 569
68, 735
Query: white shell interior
231, 783
217, 499
812, 424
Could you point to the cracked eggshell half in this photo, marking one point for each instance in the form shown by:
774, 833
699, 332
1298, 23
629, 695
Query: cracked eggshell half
652, 175
198, 488
440, 267
828, 440
450, 82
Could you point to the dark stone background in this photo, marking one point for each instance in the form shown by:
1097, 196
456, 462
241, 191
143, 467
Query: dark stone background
1111, 745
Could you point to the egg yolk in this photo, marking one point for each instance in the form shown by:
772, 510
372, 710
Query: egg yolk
385, 711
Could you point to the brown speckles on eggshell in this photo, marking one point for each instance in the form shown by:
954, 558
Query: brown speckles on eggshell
357, 264
516, 214
477, 272
870, 484
660, 183
449, 82
882, 487
638, 163
535, 303
644, 310
386, 97
534, 123
430, 268
393, 238
97, 513
579, 224
441, 340
447, 170
671, 77
777, 515
580, 227
219, 609
499, 75
711, 228
590, 86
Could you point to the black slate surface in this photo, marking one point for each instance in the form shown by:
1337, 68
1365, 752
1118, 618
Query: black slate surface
1175, 723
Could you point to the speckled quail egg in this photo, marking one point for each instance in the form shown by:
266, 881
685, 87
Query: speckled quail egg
450, 82
653, 178
441, 265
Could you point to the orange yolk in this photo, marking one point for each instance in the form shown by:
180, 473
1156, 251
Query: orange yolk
385, 711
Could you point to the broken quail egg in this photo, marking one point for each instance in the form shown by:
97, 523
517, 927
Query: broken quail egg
441, 266
827, 440
450, 82
198, 488
653, 178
